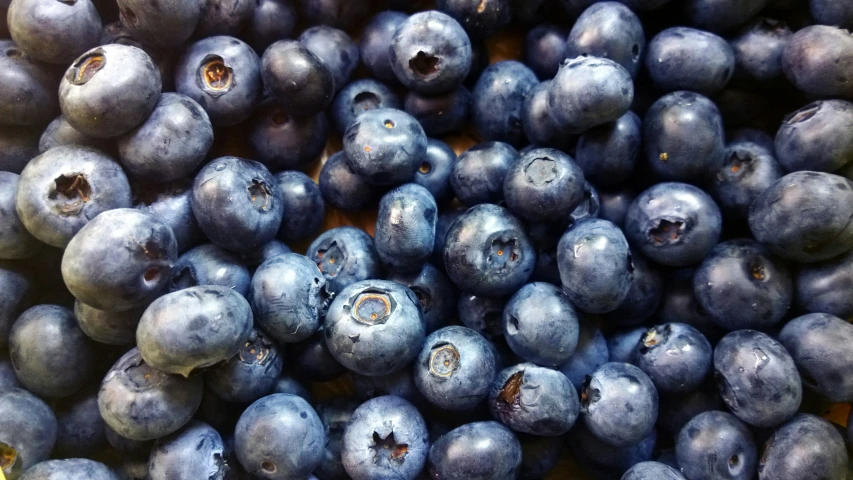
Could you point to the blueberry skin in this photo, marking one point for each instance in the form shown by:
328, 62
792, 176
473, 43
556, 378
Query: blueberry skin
15, 241
335, 49
358, 97
268, 250
758, 48
344, 189
487, 252
672, 62
676, 356
822, 287
405, 228
374, 42
337, 13
757, 378
29, 428
288, 297
614, 204
279, 437
161, 24
54, 32
61, 189
540, 325
386, 314
679, 304
223, 17
272, 20
644, 295
482, 313
817, 60
479, 172
741, 285
60, 132
476, 451
195, 451
109, 90
455, 368
619, 404
535, 400
400, 384
652, 471
589, 91
288, 384
430, 52
345, 255
806, 447
16, 295
544, 185
607, 154
716, 445
119, 260
610, 30
823, 234
7, 374
832, 13
442, 225
384, 146
748, 169
28, 98
223, 75
684, 139
304, 209
720, 15
623, 344
237, 204
435, 170
677, 410
439, 114
51, 356
210, 265
19, 146
385, 438
673, 209
70, 469
814, 138
81, 428
335, 414
127, 448
172, 204
316, 363
141, 403
816, 343
498, 101
590, 353
541, 130
111, 328
435, 293
545, 48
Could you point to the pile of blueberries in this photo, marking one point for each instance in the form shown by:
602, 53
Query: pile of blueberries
645, 264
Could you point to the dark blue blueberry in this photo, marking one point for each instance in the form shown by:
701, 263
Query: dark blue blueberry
54, 32
193, 328
60, 132
539, 456
776, 216
741, 285
673, 224
70, 469
748, 169
18, 145
195, 451
644, 295
815, 137
540, 325
757, 378
223, 75
482, 313
677, 410
480, 18
139, 402
589, 91
210, 265
455, 368
8, 379
337, 13
386, 438
614, 203
385, 146
476, 450
607, 154
539, 127
15, 241
439, 114
806, 447
281, 141
590, 353
288, 297
679, 304
358, 97
758, 48
344, 189
249, 375
405, 228
604, 461
610, 30
435, 170
544, 185
545, 48
674, 62
335, 49
28, 431
442, 225
430, 52
237, 203
622, 345
335, 414
316, 363
588, 207
652, 471
224, 17
716, 445
279, 437
676, 356
16, 293
721, 16
111, 328
81, 428
52, 357
386, 315
619, 404
487, 252
304, 209
272, 20
172, 204
262, 254
823, 287
498, 101
400, 384
160, 24
345, 255
817, 60
818, 344
828, 12
127, 448
479, 172
535, 400
289, 384
436, 295
374, 42
28, 98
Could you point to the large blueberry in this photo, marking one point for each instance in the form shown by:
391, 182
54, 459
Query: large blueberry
172, 204
535, 400
674, 61
748, 169
195, 451
476, 450
375, 39
335, 49
590, 353
405, 227
304, 209
758, 48
644, 295
104, 326
210, 265
539, 127
607, 154
385, 146
60, 132
498, 101
160, 24
358, 97
676, 356
436, 295
619, 404
52, 31
345, 255
272, 20
344, 189
815, 137
544, 185
479, 172
544, 49
817, 59
817, 342
27, 433
806, 447
15, 241
611, 30
716, 445
540, 325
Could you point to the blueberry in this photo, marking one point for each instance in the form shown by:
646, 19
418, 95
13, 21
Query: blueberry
775, 216
832, 13
644, 295
498, 101
610, 30
481, 19
172, 204
435, 170
237, 204
16, 293
335, 414
806, 447
590, 353
400, 384
748, 169
358, 97
544, 185
121, 259
140, 403
817, 60
28, 432
268, 250
721, 16
623, 344
476, 450
223, 75
679, 304
70, 469
455, 368
345, 255
61, 189
487, 252
127, 448
435, 293
210, 265
223, 17
676, 356
673, 224
288, 384
740, 285
337, 13
614, 204
439, 114
817, 342
716, 445
539, 456
111, 328
54, 32
442, 225
28, 98
758, 48
607, 154
161, 24
15, 241
814, 137
171, 143
279, 437
539, 127
545, 48
405, 228
288, 297
535, 400
673, 61
757, 378
272, 20
482, 313
479, 172
344, 189
195, 451
619, 404
652, 471
19, 145
385, 146
822, 287
303, 206
540, 325
604, 460
335, 49
677, 410
375, 39
81, 428
60, 132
